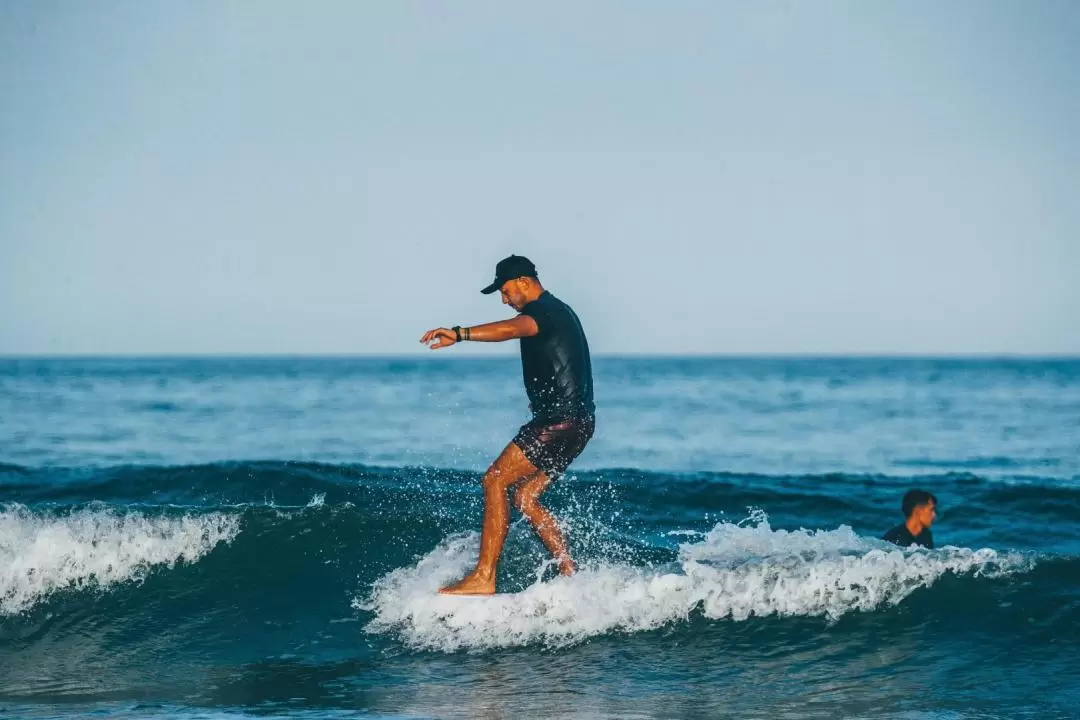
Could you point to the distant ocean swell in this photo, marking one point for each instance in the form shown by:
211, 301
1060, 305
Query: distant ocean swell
295, 483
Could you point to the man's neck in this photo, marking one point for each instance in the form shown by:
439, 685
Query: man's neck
535, 294
914, 526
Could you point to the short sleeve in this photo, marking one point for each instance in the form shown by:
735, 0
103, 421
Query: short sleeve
539, 313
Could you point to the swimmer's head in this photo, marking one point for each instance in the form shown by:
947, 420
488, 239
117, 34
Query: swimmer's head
920, 504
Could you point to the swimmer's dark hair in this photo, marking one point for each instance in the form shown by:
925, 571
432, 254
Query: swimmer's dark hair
915, 498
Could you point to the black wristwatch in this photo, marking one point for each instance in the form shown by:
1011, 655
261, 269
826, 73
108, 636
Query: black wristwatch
457, 333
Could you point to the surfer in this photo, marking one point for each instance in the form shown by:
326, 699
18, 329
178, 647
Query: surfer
920, 509
557, 371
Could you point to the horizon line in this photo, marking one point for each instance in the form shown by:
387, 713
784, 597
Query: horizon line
989, 355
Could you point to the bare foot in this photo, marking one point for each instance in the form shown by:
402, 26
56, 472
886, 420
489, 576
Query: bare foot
471, 584
566, 567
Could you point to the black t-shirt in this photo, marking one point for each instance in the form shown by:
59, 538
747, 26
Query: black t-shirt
555, 362
901, 536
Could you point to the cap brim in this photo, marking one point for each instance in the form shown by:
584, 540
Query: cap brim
492, 287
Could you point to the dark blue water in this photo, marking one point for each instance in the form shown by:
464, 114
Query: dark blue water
224, 537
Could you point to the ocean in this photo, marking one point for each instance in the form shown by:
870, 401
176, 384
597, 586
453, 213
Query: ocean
253, 537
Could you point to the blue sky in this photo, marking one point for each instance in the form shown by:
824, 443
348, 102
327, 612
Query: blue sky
705, 177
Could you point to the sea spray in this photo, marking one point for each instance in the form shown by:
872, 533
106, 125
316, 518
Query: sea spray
735, 571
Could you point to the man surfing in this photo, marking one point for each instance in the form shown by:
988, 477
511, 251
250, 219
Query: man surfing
557, 371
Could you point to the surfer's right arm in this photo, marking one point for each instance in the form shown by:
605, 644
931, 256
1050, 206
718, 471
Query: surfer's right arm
516, 327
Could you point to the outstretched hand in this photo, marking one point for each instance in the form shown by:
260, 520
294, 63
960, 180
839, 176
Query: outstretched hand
439, 338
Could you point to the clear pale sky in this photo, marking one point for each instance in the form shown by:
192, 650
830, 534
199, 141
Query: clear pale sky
751, 177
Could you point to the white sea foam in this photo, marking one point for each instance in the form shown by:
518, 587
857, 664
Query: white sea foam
734, 571
96, 546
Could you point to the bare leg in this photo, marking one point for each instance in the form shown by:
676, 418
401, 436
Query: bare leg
509, 468
527, 500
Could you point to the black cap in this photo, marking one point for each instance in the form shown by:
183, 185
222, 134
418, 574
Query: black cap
510, 268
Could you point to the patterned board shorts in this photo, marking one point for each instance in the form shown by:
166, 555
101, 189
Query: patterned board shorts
551, 447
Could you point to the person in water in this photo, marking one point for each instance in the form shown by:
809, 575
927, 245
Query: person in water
920, 509
557, 371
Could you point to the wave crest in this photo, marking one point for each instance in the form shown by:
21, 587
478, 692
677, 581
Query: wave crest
734, 571
95, 546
